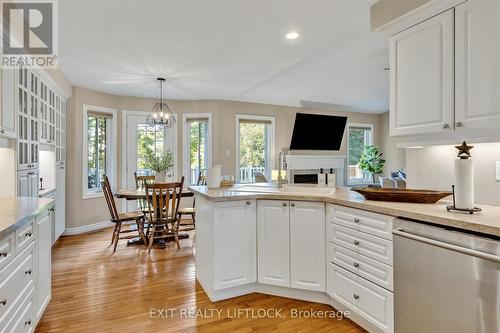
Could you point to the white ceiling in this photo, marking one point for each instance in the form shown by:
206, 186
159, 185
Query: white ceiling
228, 49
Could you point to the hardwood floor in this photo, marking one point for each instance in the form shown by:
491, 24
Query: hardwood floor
94, 290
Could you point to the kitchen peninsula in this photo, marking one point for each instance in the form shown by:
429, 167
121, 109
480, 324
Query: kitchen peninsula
313, 243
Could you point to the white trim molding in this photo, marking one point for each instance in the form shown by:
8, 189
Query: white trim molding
185, 141
113, 149
87, 228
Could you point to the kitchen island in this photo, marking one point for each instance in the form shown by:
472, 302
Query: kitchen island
317, 244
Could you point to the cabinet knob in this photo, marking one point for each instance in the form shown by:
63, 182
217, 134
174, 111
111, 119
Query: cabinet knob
356, 264
356, 296
28, 322
459, 124
356, 242
3, 131
28, 272
249, 202
28, 234
3, 254
52, 210
285, 204
446, 126
3, 301
356, 220
292, 204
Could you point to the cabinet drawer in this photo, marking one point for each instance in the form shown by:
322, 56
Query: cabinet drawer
372, 270
15, 280
374, 247
25, 235
368, 300
371, 223
23, 321
7, 250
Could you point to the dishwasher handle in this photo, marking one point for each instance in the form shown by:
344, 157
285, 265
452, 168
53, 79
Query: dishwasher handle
451, 247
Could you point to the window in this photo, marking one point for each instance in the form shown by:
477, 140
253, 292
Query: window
360, 135
197, 144
255, 147
98, 149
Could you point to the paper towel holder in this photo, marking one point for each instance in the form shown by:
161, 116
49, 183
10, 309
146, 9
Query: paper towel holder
452, 207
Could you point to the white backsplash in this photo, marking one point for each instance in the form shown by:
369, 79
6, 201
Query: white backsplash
432, 168
7, 181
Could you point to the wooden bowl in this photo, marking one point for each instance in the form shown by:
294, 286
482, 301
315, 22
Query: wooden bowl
402, 195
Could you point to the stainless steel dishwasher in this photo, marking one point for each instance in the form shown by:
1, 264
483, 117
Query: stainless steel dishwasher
445, 280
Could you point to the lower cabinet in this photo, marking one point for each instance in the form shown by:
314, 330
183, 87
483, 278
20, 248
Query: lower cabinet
291, 244
25, 281
234, 234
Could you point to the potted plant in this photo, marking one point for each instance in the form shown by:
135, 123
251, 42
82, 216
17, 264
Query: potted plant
160, 165
371, 161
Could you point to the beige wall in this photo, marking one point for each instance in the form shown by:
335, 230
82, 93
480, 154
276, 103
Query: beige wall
82, 212
432, 168
395, 158
385, 11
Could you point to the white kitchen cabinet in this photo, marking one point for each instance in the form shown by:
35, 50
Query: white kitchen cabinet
422, 77
273, 242
307, 245
477, 57
43, 252
235, 239
60, 212
27, 183
8, 104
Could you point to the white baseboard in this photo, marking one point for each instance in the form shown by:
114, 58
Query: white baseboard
87, 228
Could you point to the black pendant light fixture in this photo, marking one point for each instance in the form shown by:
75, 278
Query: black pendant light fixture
160, 115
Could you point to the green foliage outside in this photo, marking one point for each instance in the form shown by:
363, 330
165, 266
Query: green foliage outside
96, 133
356, 145
149, 143
198, 132
252, 145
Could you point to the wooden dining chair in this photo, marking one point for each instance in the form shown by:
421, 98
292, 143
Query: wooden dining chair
190, 211
163, 203
119, 218
140, 183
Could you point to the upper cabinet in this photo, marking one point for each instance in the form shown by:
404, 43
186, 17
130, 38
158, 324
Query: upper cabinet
477, 57
422, 70
445, 74
8, 104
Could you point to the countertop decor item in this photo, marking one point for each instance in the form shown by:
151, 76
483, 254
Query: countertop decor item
160, 115
453, 207
402, 195
371, 161
464, 178
160, 165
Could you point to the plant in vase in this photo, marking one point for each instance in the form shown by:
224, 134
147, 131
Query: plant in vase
160, 165
371, 161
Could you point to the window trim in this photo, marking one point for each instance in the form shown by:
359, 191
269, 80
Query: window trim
185, 139
348, 179
111, 162
272, 140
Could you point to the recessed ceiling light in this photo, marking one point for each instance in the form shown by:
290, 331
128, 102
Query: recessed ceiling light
292, 35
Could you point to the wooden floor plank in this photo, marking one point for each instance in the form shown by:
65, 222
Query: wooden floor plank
94, 290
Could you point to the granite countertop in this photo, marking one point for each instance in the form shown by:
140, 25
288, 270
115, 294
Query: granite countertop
16, 211
487, 221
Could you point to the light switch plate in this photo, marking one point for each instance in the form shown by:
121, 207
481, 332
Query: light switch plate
498, 171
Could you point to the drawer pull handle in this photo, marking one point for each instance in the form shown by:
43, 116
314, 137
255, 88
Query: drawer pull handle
356, 220
356, 264
28, 272
356, 296
3, 302
356, 242
28, 234
28, 322
3, 254
285, 204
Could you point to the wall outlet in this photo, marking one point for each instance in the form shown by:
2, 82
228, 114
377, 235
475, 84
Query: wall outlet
498, 171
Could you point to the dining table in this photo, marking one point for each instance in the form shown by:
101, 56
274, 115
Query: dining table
140, 194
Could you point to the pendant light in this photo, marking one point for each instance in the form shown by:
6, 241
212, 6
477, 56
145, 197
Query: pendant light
160, 114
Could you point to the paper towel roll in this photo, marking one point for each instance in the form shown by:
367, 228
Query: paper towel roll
464, 184
213, 177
